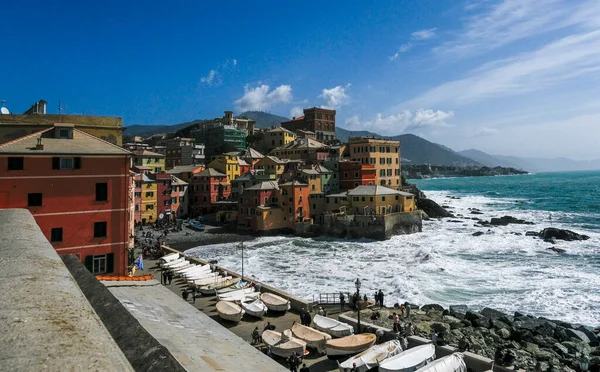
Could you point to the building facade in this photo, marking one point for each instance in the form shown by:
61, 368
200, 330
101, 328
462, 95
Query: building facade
179, 198
206, 189
78, 189
318, 120
149, 161
149, 197
354, 173
383, 154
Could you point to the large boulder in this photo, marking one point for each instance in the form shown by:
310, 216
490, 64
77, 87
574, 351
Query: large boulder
458, 310
433, 209
590, 335
560, 234
577, 335
505, 220
504, 333
453, 321
560, 349
429, 307
491, 313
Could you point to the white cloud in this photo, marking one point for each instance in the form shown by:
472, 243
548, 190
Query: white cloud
261, 98
403, 48
561, 60
211, 79
423, 34
335, 97
404, 121
235, 62
296, 112
509, 21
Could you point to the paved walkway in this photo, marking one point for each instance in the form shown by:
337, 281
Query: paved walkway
194, 339
243, 329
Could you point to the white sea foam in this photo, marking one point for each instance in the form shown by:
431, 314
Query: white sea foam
444, 264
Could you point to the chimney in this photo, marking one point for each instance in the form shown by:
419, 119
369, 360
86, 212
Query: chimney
39, 145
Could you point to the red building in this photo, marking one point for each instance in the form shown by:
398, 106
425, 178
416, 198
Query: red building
77, 187
353, 174
319, 121
163, 194
206, 189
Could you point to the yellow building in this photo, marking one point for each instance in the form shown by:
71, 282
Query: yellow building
229, 164
275, 137
270, 218
381, 153
271, 165
149, 199
13, 126
367, 200
149, 160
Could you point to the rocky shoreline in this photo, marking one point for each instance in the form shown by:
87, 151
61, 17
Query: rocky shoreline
551, 345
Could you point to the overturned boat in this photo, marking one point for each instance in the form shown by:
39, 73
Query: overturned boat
283, 344
314, 338
409, 360
275, 303
333, 327
450, 363
371, 357
340, 348
229, 311
209, 289
255, 308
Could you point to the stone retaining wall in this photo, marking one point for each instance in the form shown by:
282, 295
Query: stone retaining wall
378, 227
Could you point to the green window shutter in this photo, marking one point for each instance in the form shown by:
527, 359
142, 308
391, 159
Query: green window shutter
89, 263
110, 258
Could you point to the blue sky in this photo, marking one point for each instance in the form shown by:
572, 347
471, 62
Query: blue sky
512, 77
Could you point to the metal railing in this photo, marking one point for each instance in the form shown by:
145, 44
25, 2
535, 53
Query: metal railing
330, 298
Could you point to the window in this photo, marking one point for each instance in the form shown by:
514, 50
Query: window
137, 208
63, 133
389, 172
371, 199
313, 187
34, 200
314, 206
363, 199
397, 197
56, 234
383, 198
15, 163
355, 198
181, 199
100, 229
102, 191
100, 264
149, 194
381, 160
382, 173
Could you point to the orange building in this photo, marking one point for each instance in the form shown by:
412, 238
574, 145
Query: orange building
383, 154
78, 189
354, 174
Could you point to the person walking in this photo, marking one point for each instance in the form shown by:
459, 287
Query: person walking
170, 276
342, 301
322, 311
396, 320
255, 336
380, 298
307, 318
164, 276
185, 294
407, 308
303, 316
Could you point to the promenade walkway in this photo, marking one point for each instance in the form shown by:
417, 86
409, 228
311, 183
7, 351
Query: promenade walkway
194, 339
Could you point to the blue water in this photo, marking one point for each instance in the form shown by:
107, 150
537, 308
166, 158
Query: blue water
445, 263
575, 195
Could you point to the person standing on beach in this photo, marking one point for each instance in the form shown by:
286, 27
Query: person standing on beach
342, 301
307, 318
164, 276
396, 320
170, 276
185, 294
303, 316
407, 307
380, 298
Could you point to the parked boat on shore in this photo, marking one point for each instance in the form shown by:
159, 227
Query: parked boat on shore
256, 308
409, 360
345, 347
237, 286
229, 311
314, 338
209, 280
372, 357
331, 326
242, 295
169, 257
196, 225
450, 363
275, 303
209, 289
283, 344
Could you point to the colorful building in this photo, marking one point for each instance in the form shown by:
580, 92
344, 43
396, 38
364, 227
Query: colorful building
271, 165
149, 160
137, 197
186, 172
182, 151
163, 194
77, 187
149, 197
318, 120
206, 189
366, 200
258, 208
249, 179
354, 173
251, 156
306, 149
230, 164
179, 198
275, 137
383, 154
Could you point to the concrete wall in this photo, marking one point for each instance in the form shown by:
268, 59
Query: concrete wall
379, 227
475, 362
46, 322
295, 302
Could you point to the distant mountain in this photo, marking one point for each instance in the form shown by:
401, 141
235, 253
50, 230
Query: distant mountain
414, 149
150, 130
263, 119
490, 160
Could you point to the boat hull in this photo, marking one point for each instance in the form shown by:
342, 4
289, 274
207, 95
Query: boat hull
349, 346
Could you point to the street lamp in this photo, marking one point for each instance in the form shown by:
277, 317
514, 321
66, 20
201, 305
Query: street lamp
357, 285
584, 362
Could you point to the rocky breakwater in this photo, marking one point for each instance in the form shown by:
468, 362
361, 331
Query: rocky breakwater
555, 345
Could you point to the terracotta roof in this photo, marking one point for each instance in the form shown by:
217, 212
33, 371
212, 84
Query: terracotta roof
265, 185
375, 190
299, 118
81, 144
183, 168
211, 172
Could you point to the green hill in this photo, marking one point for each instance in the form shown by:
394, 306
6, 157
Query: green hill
263, 119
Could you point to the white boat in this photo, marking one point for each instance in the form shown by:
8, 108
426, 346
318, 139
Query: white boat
229, 311
256, 308
339, 348
172, 262
189, 265
409, 360
195, 270
275, 303
450, 363
283, 344
169, 257
180, 270
179, 265
372, 357
209, 280
209, 289
235, 293
314, 339
237, 286
332, 326
200, 275
240, 297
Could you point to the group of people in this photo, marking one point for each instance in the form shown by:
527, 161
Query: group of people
294, 361
305, 318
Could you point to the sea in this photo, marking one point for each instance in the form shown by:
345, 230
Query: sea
446, 264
